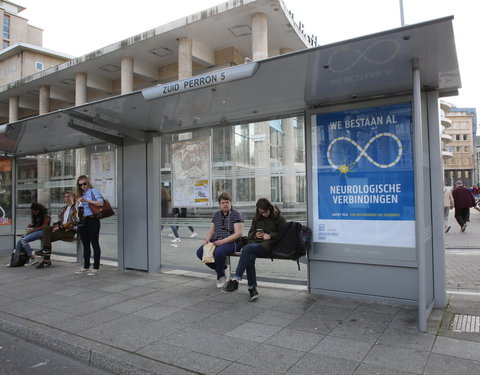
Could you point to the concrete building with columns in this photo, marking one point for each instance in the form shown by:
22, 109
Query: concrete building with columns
230, 99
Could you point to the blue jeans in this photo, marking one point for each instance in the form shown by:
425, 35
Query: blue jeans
24, 241
247, 263
220, 255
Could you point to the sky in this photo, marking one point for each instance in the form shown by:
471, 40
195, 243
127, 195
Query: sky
77, 28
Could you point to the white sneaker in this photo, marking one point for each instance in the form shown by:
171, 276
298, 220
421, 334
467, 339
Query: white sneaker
193, 235
83, 271
93, 272
221, 282
176, 240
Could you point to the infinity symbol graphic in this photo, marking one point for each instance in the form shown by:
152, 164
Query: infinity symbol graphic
363, 54
363, 152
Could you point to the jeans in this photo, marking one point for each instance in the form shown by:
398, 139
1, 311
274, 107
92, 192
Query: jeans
24, 241
89, 235
247, 263
220, 255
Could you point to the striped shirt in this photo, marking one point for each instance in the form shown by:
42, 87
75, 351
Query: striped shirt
224, 224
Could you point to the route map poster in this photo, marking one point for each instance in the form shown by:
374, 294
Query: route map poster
363, 176
191, 173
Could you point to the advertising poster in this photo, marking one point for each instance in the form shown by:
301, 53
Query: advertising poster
5, 191
191, 173
363, 176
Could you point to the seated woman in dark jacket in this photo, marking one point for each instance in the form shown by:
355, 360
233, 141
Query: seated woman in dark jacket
265, 227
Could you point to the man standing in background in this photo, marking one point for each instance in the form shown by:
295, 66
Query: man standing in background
463, 199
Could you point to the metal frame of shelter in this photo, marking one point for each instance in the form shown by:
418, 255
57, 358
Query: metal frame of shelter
416, 63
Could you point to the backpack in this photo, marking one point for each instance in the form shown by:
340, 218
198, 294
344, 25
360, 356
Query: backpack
292, 242
19, 259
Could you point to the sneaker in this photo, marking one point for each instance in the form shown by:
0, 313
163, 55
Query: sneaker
193, 235
44, 264
177, 239
42, 252
83, 271
253, 294
232, 285
447, 229
93, 272
221, 282
31, 261
464, 227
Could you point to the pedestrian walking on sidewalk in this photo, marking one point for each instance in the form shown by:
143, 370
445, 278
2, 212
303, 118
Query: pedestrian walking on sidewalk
463, 200
448, 204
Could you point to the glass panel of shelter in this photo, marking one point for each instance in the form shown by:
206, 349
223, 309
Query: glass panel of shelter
250, 161
44, 178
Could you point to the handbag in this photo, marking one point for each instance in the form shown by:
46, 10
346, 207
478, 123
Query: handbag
208, 250
19, 259
103, 211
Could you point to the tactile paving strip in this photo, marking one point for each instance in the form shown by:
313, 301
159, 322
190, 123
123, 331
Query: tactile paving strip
465, 323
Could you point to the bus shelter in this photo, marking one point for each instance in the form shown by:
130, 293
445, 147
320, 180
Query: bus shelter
374, 167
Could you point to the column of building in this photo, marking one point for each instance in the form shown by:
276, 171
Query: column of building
262, 129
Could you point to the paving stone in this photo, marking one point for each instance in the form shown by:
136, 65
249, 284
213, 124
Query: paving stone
293, 339
340, 347
442, 364
271, 358
254, 331
457, 348
397, 358
202, 363
314, 364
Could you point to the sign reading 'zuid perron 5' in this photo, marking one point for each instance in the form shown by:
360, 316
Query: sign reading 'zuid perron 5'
363, 164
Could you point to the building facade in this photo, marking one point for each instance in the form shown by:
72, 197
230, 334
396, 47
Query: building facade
462, 165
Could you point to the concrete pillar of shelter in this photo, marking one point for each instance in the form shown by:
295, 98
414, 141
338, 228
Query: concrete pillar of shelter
44, 100
43, 177
13, 108
259, 36
127, 75
263, 185
289, 182
289, 189
185, 48
80, 88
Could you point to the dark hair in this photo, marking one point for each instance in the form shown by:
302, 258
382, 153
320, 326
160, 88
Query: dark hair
225, 197
37, 220
265, 204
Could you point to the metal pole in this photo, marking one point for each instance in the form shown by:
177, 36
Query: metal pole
402, 18
419, 197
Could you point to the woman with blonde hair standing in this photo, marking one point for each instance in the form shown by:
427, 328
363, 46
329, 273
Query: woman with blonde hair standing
90, 230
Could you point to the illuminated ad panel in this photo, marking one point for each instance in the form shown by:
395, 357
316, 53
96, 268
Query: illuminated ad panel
363, 180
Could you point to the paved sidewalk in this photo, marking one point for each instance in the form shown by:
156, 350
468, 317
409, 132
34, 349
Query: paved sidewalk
133, 323
130, 322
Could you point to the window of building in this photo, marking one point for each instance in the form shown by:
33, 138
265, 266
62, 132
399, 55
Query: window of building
467, 174
459, 174
6, 44
466, 148
458, 148
39, 65
457, 137
6, 27
465, 137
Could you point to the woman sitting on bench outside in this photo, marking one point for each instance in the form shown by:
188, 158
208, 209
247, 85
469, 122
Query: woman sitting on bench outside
64, 229
265, 226
40, 221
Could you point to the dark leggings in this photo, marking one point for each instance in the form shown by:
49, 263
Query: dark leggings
220, 255
89, 234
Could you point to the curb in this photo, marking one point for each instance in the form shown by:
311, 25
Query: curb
93, 353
